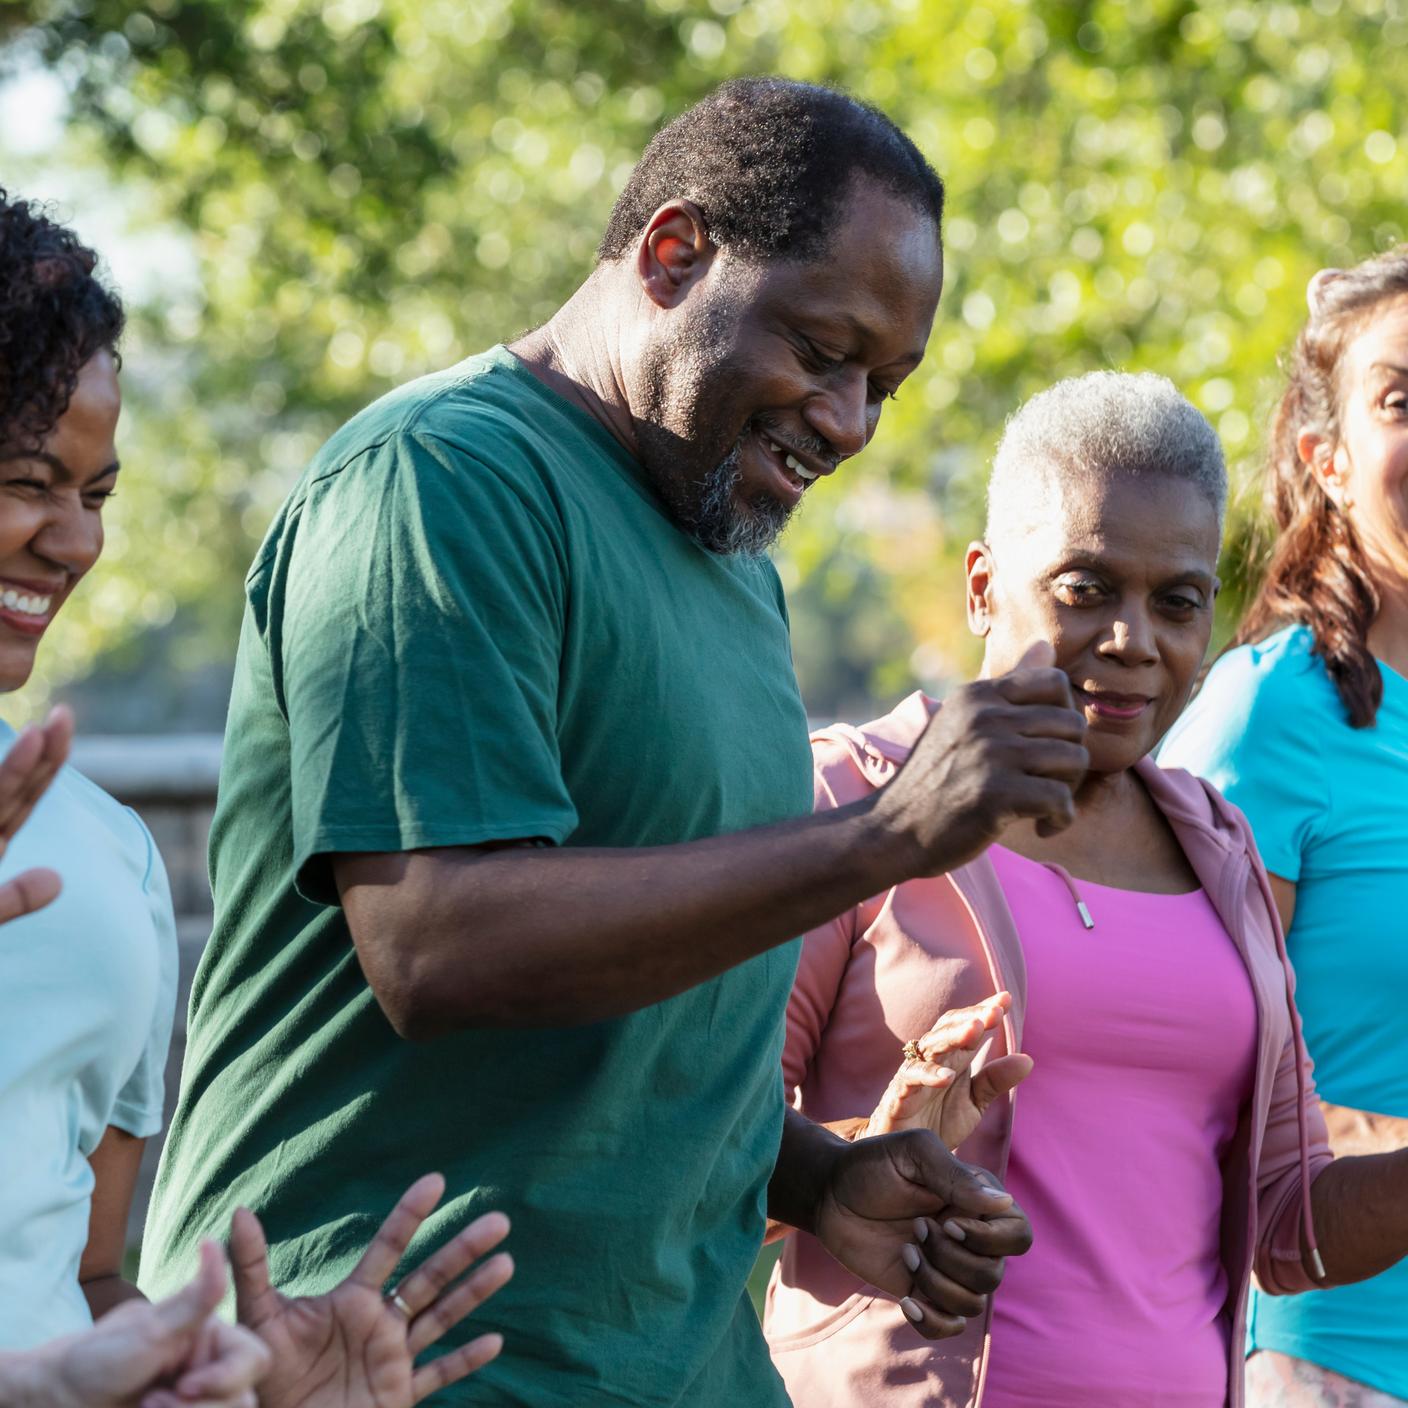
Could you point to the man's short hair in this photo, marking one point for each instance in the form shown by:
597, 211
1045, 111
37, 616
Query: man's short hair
769, 162
1102, 426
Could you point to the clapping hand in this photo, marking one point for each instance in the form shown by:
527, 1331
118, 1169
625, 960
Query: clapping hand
894, 1212
355, 1347
174, 1354
30, 766
909, 1218
937, 1088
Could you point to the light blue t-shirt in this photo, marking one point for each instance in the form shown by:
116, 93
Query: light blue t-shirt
87, 995
1329, 807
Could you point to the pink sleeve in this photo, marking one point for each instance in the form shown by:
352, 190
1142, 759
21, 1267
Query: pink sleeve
825, 950
1282, 1191
1279, 1188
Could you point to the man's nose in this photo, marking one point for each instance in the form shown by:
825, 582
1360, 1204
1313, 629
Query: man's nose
841, 415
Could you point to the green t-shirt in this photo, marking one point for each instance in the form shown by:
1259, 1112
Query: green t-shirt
473, 620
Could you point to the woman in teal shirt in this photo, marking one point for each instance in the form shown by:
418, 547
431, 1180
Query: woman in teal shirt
1303, 723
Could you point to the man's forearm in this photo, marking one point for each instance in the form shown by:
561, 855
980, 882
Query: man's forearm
1360, 1207
528, 937
539, 937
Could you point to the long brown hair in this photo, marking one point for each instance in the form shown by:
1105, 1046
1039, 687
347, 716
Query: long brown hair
1318, 574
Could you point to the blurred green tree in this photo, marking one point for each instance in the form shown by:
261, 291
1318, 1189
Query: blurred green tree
375, 188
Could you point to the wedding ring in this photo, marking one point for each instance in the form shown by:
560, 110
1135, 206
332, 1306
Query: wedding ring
399, 1301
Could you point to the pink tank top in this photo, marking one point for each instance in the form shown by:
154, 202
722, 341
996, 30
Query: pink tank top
1143, 1031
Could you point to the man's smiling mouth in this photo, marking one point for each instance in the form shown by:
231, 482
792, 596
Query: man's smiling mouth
789, 459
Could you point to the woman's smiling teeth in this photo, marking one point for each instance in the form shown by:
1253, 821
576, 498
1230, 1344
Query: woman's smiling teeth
791, 461
12, 600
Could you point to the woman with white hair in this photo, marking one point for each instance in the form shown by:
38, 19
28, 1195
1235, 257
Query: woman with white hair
1167, 1142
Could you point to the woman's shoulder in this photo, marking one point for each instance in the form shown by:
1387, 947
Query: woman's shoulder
852, 760
1270, 686
1258, 732
129, 832
1281, 668
75, 804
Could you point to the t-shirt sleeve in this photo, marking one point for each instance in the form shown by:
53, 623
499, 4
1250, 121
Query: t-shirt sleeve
418, 659
139, 1105
1250, 733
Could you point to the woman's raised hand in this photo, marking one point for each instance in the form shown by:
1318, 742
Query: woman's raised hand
938, 1090
355, 1347
30, 766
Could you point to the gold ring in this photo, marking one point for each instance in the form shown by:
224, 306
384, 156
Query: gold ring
399, 1301
910, 1051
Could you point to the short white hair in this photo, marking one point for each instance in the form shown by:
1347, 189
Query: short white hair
1107, 426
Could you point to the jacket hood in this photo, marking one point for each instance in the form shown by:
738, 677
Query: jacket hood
880, 747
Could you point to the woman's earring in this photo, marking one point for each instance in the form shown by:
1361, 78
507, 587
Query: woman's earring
1338, 494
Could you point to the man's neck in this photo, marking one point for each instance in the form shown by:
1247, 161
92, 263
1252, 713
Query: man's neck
577, 355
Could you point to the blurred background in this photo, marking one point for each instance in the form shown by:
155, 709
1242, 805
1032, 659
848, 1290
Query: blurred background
306, 202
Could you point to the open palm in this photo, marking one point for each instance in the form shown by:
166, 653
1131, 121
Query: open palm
354, 1347
939, 1091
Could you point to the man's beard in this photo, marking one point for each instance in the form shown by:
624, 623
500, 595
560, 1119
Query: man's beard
719, 523
687, 387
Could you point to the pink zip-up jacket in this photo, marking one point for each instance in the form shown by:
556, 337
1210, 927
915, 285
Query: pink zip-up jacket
884, 971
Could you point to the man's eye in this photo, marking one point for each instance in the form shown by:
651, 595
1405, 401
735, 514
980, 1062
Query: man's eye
821, 361
1079, 591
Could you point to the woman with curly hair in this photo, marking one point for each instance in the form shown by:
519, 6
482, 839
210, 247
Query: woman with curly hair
88, 982
100, 1048
1303, 723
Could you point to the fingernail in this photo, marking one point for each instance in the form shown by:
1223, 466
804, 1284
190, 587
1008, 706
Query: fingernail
921, 1229
909, 1254
996, 1194
912, 1310
955, 1231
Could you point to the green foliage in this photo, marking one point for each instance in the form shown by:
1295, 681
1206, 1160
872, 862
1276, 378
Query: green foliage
377, 187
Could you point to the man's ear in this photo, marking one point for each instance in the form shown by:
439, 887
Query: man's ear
977, 565
674, 253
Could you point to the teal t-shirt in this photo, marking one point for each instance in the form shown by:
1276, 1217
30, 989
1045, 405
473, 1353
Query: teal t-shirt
1329, 807
87, 994
473, 620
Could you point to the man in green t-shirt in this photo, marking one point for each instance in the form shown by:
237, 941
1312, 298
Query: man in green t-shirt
513, 842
